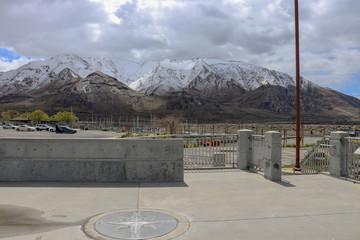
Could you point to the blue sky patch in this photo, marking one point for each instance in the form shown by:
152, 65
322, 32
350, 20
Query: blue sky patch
8, 55
354, 88
317, 73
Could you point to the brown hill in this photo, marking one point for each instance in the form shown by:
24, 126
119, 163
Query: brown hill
103, 95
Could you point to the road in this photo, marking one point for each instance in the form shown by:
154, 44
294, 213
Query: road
10, 133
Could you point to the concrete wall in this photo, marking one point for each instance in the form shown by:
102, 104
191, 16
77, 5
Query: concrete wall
91, 160
338, 167
272, 156
272, 153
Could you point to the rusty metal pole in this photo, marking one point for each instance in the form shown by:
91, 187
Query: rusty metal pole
297, 164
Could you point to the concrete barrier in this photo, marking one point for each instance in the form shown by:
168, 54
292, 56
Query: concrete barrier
91, 160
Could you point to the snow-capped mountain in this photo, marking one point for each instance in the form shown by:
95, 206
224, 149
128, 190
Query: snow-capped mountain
203, 89
203, 75
36, 74
207, 76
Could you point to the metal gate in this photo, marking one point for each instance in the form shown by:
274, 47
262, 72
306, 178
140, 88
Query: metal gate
206, 151
258, 145
318, 159
352, 157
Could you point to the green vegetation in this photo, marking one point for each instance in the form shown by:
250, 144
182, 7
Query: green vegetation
9, 114
288, 166
40, 116
67, 117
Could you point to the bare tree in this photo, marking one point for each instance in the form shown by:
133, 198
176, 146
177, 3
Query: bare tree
170, 123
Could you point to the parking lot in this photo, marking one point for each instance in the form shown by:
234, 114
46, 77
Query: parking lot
11, 133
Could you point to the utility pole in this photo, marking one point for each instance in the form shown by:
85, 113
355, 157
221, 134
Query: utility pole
297, 164
111, 122
71, 118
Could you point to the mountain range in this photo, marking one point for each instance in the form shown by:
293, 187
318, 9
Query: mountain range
203, 89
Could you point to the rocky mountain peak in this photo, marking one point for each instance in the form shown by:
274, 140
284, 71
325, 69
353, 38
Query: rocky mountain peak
67, 74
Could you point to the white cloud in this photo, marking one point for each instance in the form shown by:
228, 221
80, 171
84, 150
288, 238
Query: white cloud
255, 31
96, 31
111, 6
5, 65
357, 95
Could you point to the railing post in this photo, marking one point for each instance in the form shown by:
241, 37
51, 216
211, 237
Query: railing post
337, 154
244, 153
272, 156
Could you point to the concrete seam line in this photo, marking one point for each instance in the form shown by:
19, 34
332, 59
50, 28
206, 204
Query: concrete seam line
138, 196
270, 218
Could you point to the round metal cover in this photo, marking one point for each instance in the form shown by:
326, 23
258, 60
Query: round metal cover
136, 224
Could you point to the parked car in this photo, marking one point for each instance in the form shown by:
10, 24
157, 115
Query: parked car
25, 128
354, 133
65, 129
9, 126
52, 129
40, 127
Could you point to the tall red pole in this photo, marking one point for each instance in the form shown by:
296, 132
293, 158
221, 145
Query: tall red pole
297, 165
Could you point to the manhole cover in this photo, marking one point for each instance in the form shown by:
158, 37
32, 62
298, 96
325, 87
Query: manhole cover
136, 224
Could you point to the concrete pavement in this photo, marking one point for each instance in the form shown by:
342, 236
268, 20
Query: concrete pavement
219, 204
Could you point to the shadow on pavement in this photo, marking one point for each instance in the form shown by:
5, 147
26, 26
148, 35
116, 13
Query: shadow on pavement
19, 221
89, 184
284, 183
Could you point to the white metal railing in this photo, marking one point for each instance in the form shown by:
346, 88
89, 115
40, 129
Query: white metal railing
352, 157
318, 159
210, 150
207, 151
258, 144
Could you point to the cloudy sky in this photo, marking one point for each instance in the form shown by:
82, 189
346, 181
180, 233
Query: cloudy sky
260, 32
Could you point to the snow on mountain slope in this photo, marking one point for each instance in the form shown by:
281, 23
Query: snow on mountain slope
202, 74
169, 76
39, 73
207, 76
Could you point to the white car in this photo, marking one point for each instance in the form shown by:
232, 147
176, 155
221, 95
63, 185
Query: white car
25, 128
9, 126
40, 127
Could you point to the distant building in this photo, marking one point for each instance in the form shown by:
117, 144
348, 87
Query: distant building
21, 120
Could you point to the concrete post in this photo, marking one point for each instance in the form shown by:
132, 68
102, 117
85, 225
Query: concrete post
272, 156
244, 149
338, 167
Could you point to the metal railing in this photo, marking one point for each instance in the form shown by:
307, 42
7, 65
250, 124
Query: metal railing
318, 159
204, 151
352, 158
207, 151
258, 144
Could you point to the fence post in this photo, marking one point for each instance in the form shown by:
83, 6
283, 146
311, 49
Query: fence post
272, 156
337, 154
244, 153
